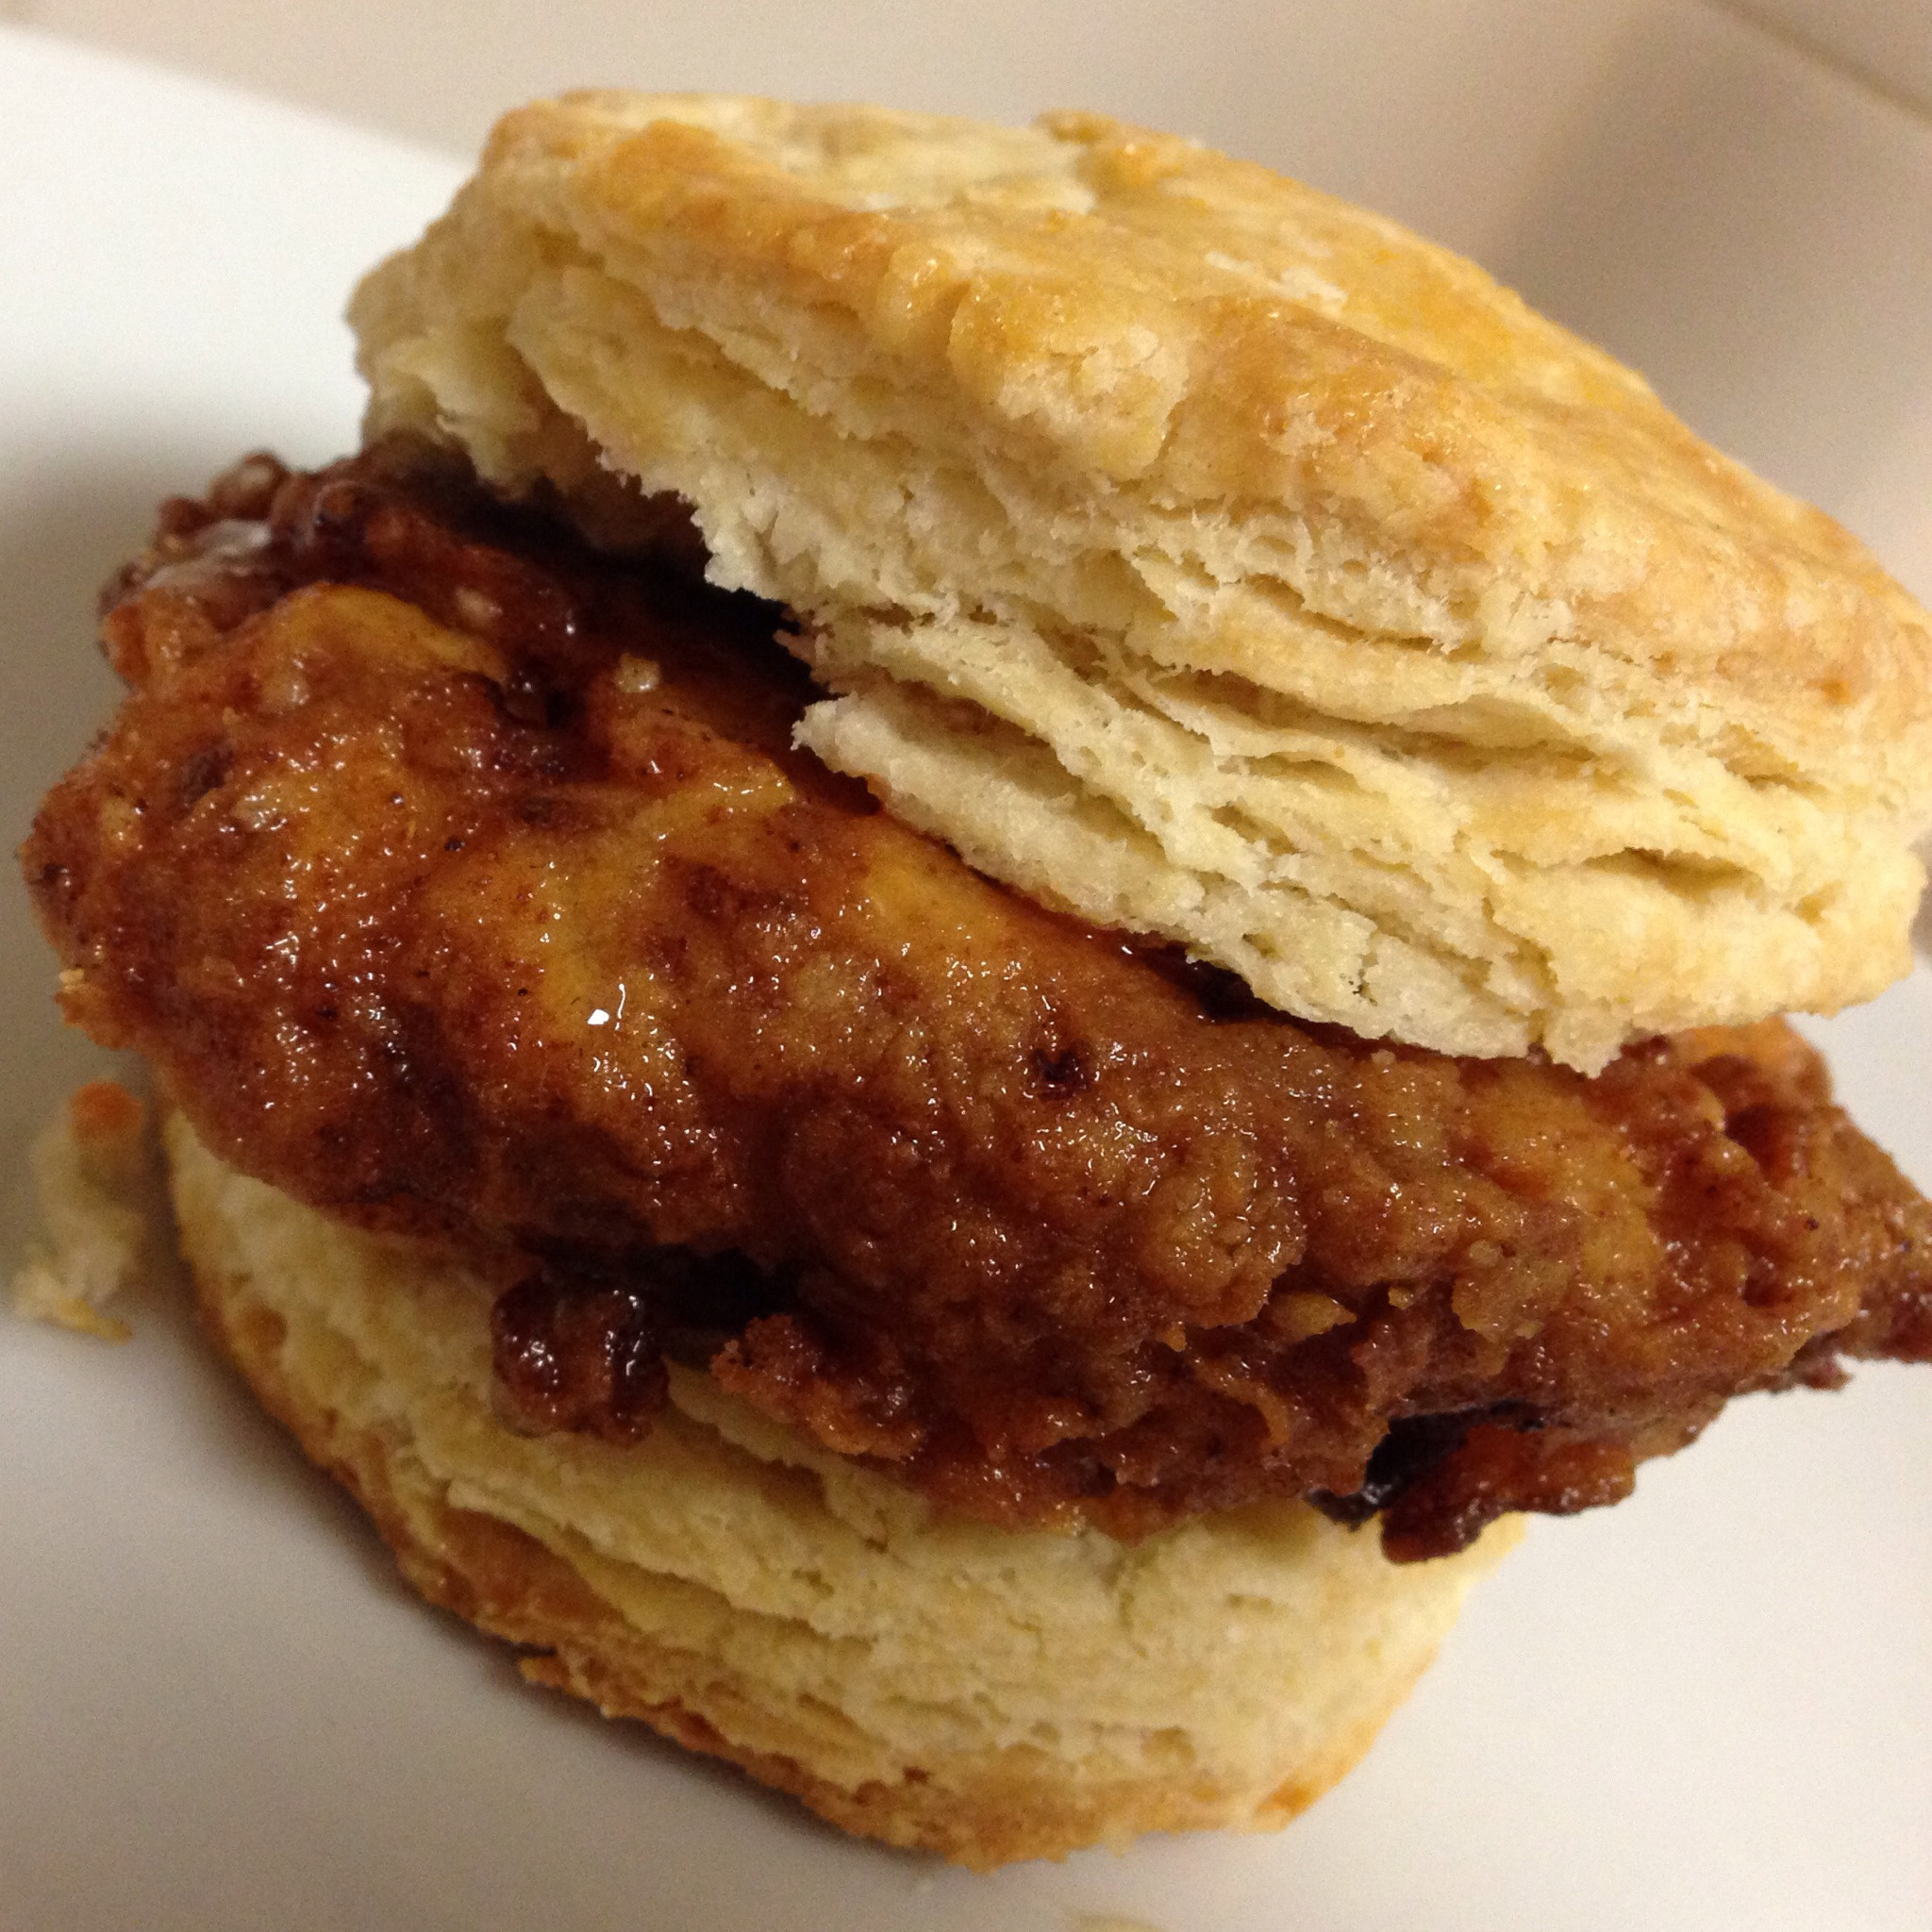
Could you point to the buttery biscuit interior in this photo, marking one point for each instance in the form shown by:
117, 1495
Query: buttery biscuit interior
1207, 558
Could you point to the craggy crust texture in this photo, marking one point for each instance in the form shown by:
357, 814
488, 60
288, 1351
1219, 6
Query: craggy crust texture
1207, 557
465, 884
986, 1694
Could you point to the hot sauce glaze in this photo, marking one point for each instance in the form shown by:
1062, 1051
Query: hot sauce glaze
466, 885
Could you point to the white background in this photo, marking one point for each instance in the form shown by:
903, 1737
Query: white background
1712, 1708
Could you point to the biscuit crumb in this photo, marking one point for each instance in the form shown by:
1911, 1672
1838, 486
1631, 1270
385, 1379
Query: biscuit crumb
97, 1183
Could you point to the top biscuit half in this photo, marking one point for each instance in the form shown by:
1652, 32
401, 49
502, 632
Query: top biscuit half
1206, 557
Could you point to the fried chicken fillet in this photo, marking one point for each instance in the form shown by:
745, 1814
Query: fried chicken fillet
467, 886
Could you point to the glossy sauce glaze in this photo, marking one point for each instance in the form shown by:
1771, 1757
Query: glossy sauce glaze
467, 886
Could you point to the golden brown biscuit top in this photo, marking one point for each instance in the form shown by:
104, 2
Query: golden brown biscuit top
1207, 556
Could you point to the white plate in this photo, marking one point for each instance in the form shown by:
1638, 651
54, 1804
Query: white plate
1710, 1708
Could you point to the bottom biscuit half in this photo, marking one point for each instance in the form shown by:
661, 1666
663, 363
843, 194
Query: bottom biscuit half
920, 1678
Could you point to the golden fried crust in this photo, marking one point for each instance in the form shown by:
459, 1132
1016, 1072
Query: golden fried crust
750, 1599
1208, 557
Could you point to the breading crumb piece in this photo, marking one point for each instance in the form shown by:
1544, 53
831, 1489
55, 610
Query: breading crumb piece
97, 1183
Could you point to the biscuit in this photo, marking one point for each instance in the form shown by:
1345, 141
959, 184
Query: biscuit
1207, 557
984, 1693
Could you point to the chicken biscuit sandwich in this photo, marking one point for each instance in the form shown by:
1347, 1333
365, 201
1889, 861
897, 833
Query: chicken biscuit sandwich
994, 916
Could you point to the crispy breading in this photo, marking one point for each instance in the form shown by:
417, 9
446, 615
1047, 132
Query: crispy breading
469, 888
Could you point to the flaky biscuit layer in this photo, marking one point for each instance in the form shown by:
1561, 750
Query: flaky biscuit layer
911, 1675
1207, 557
